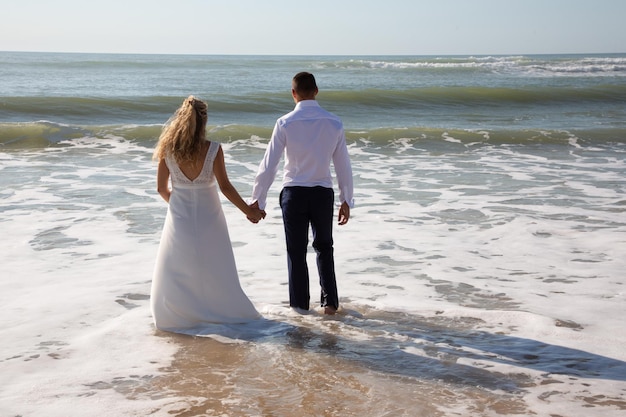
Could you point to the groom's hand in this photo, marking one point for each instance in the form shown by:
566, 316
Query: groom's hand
258, 213
344, 214
255, 205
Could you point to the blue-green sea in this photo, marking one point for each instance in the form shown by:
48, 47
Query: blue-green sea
481, 273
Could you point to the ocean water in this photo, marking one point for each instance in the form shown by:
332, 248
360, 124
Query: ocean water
481, 273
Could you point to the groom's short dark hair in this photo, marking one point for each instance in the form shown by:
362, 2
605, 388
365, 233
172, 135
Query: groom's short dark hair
304, 84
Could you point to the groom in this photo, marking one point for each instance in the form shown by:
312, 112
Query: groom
311, 138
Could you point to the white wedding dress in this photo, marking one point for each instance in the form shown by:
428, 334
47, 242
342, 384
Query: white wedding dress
195, 280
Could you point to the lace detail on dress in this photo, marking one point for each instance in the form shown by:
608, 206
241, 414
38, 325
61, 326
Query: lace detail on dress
206, 175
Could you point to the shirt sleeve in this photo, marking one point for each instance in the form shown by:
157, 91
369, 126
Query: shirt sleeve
343, 171
268, 167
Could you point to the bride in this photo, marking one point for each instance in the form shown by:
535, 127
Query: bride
195, 279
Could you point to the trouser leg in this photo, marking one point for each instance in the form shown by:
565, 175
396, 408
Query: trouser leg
321, 214
296, 223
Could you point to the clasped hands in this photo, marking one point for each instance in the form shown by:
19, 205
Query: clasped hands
256, 213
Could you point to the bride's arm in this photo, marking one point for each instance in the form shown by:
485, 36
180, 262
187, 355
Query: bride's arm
219, 169
163, 176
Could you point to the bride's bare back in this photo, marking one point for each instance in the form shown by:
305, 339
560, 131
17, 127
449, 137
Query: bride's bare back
192, 169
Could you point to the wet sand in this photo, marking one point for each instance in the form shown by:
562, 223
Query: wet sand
371, 364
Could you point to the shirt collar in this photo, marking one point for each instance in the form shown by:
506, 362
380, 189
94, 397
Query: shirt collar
307, 103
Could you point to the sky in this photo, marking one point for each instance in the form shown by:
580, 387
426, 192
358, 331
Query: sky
315, 27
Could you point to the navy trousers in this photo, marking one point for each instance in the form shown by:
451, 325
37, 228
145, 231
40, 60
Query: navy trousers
301, 207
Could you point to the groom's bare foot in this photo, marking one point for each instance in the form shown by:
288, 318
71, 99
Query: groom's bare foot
330, 310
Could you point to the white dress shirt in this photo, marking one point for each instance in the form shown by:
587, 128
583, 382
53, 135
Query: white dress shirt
311, 138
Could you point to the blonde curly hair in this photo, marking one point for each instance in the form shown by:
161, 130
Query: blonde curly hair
184, 133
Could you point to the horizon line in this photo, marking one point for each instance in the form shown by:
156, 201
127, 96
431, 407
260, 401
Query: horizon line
311, 55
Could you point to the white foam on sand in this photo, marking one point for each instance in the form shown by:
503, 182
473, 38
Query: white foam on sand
499, 278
